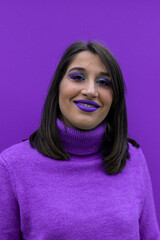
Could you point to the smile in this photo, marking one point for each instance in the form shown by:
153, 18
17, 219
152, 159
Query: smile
86, 106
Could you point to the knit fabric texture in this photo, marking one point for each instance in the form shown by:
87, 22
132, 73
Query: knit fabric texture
47, 199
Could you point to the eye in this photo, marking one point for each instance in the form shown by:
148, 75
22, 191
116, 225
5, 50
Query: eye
77, 76
103, 81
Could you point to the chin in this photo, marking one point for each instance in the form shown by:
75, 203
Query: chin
81, 124
85, 126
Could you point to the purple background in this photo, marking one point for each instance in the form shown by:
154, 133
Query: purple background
33, 36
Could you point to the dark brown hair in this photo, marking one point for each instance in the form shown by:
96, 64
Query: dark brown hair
115, 146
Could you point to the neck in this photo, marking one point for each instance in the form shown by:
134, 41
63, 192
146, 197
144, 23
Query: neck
81, 142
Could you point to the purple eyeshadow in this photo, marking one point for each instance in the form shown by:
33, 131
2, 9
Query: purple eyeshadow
104, 81
77, 76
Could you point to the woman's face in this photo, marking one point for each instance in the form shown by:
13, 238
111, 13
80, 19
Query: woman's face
85, 93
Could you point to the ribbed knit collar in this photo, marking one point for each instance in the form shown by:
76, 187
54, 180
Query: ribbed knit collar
81, 142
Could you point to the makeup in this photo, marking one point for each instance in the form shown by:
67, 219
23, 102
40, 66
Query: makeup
86, 105
103, 81
77, 76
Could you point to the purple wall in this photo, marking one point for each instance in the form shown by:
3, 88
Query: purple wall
34, 34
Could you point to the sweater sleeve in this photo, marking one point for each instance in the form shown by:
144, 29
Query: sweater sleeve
148, 223
9, 209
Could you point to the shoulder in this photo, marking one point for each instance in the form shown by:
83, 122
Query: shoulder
16, 149
136, 167
17, 153
137, 157
135, 151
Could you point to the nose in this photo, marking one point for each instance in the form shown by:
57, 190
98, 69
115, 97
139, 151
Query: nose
90, 90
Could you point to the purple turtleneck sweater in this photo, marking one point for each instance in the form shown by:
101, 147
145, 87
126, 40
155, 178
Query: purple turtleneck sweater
46, 199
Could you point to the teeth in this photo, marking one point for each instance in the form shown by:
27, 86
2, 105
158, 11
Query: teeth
87, 105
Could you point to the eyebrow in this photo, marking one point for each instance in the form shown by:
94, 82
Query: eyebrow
84, 70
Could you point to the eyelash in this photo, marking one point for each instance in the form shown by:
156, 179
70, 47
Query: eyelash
80, 77
103, 81
77, 76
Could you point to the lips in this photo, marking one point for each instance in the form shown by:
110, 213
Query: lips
86, 105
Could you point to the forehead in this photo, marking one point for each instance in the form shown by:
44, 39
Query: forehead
89, 61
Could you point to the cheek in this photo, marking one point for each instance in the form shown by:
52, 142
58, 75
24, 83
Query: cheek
62, 92
61, 97
107, 98
67, 92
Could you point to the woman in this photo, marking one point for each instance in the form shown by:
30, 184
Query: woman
79, 176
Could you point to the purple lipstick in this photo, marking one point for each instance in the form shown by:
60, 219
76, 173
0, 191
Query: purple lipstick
86, 105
